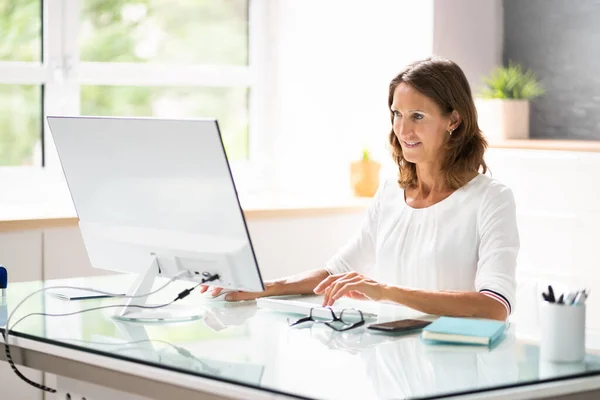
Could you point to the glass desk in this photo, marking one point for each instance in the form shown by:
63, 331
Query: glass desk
241, 344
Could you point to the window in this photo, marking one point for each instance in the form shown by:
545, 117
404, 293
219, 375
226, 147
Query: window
20, 94
21, 27
20, 124
121, 57
160, 31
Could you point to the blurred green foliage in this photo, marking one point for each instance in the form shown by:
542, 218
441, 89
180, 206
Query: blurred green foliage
166, 31
20, 30
141, 31
20, 105
512, 82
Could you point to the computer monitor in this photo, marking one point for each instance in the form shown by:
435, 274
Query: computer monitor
156, 197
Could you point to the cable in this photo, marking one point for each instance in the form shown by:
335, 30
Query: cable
118, 295
8, 328
115, 295
7, 349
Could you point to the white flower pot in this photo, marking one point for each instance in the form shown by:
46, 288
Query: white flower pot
501, 119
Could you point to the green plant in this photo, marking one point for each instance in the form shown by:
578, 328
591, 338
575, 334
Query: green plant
512, 83
366, 156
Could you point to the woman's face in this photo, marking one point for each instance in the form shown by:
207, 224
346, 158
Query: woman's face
419, 125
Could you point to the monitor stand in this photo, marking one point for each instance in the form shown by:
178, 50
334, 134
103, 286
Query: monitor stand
132, 312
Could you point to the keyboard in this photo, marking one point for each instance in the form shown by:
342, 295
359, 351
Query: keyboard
302, 305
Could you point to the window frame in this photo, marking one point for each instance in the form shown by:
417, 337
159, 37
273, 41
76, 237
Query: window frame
61, 73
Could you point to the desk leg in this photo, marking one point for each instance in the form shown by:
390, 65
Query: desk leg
71, 389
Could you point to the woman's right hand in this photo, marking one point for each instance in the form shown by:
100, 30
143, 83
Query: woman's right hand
303, 283
240, 295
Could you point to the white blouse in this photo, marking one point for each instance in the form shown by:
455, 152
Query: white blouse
466, 242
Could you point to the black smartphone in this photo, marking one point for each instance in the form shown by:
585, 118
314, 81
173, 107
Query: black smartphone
401, 325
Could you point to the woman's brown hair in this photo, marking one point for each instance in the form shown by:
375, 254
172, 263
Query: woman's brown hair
445, 83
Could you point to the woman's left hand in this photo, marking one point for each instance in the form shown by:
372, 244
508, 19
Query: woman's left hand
352, 284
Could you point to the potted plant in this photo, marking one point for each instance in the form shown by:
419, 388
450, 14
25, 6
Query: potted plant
364, 175
503, 104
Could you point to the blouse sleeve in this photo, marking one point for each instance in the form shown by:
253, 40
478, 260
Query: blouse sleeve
498, 246
359, 252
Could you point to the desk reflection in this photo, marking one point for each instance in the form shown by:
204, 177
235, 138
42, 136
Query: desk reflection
404, 366
134, 342
223, 315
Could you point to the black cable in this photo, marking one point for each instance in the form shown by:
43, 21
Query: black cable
7, 348
7, 330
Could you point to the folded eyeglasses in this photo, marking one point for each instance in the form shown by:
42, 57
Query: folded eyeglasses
348, 318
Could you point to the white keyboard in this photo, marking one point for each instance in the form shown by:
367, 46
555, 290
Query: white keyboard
303, 305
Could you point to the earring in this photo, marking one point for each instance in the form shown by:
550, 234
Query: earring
450, 132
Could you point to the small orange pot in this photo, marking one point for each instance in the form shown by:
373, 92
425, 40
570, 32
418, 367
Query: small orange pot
364, 177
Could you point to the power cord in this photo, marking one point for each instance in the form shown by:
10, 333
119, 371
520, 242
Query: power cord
8, 328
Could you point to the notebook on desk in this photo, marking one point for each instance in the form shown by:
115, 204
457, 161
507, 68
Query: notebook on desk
463, 331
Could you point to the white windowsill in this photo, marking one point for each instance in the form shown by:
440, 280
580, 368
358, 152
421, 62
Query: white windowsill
38, 199
46, 215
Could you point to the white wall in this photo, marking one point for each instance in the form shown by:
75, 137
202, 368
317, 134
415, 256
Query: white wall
288, 246
331, 64
558, 214
21, 253
335, 60
469, 33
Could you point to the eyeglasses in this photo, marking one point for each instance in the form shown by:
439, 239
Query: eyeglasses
349, 318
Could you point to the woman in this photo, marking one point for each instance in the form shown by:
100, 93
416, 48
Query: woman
443, 238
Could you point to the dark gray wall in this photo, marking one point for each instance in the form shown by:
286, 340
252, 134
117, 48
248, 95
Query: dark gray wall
560, 41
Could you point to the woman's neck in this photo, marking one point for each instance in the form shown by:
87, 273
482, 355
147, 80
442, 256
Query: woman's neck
430, 181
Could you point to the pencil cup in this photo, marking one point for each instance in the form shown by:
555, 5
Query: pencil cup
562, 335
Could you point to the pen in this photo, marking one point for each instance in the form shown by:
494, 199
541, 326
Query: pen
577, 298
551, 297
581, 299
545, 296
570, 299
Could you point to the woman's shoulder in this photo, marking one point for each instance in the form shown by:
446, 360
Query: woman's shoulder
491, 192
486, 185
388, 185
389, 191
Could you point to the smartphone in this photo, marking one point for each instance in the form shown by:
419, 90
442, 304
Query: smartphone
402, 325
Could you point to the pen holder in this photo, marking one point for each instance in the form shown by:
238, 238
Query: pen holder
562, 336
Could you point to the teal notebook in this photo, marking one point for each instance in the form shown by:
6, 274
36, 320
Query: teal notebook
463, 331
